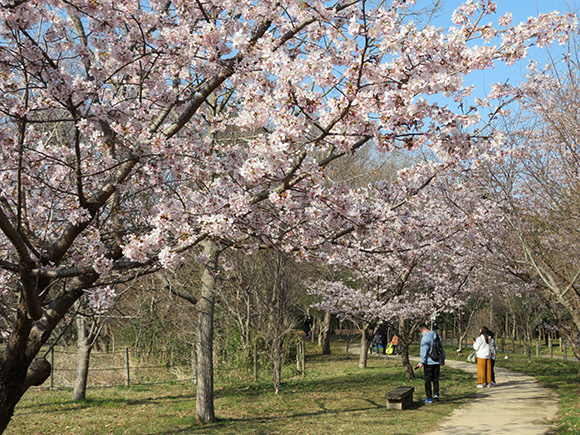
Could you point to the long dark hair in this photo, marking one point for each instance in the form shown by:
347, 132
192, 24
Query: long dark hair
485, 333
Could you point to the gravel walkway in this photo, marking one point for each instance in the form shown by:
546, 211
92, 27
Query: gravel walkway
518, 404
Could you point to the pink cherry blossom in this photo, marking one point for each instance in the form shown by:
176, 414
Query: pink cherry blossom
132, 131
102, 300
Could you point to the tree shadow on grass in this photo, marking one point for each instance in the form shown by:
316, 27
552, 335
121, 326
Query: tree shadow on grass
339, 383
238, 424
107, 402
345, 383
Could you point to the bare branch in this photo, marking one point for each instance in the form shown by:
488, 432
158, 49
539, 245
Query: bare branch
13, 4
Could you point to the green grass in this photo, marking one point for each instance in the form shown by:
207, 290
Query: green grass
517, 346
334, 397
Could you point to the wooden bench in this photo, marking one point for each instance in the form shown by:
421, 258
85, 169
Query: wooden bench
400, 398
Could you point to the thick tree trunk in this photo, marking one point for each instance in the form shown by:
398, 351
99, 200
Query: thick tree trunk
409, 373
17, 369
365, 341
326, 334
12, 376
405, 339
83, 358
204, 400
15, 379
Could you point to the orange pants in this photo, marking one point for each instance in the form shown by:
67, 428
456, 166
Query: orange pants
483, 370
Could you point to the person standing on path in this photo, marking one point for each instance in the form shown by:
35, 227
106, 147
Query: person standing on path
431, 368
482, 347
383, 337
376, 343
395, 343
493, 346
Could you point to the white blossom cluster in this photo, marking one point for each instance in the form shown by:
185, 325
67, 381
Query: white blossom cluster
102, 299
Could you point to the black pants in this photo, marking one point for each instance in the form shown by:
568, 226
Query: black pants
432, 375
492, 370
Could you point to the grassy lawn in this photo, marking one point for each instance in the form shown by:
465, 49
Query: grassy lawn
334, 397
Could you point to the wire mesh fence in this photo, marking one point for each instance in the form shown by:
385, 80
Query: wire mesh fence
118, 368
125, 367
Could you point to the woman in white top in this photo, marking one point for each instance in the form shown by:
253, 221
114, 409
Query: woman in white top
482, 346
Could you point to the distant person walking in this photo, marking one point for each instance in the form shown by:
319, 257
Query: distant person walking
395, 343
431, 368
482, 348
377, 342
493, 346
384, 337
307, 326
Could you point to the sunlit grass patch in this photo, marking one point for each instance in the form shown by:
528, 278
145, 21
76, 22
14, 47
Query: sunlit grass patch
334, 397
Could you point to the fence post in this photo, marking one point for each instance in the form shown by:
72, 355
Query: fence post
300, 349
303, 358
298, 357
127, 369
52, 368
564, 350
255, 360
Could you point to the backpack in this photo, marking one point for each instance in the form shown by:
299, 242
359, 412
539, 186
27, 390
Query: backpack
437, 349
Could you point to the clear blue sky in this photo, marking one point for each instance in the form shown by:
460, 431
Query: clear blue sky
521, 10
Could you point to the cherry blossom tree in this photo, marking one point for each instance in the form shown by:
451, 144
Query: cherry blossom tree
419, 264
534, 180
135, 131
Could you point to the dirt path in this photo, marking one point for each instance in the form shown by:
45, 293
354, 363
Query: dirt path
518, 404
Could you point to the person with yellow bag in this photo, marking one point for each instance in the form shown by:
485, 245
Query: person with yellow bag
393, 346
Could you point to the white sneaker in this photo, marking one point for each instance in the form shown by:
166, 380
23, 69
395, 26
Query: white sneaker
479, 386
